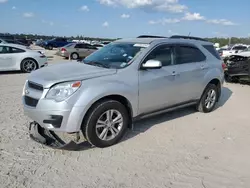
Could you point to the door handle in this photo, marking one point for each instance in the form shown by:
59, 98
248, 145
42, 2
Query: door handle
174, 73
203, 67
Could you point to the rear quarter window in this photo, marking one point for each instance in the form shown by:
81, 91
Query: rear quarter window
212, 50
16, 50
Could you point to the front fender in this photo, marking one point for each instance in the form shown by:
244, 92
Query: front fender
90, 93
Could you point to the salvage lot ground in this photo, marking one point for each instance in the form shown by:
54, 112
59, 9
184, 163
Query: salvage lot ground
179, 149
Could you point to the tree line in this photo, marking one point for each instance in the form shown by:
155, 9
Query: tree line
221, 41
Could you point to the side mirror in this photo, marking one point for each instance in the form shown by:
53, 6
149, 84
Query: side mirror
152, 64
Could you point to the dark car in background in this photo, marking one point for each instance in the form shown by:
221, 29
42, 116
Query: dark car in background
15, 41
11, 39
55, 43
26, 42
238, 69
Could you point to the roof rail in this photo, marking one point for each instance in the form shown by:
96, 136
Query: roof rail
150, 36
187, 37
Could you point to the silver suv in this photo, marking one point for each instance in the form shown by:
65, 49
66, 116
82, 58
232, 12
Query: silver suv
129, 79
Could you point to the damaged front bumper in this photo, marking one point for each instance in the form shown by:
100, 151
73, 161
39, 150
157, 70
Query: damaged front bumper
53, 140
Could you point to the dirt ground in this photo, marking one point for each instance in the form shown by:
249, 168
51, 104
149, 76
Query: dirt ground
183, 149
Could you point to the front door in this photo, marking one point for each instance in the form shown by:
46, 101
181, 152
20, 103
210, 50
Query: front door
6, 58
157, 87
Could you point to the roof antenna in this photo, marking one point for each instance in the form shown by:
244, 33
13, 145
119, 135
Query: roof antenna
189, 33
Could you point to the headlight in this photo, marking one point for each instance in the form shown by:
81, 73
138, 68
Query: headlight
60, 92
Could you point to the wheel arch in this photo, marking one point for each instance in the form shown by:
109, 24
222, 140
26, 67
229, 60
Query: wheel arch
117, 97
217, 83
26, 58
70, 54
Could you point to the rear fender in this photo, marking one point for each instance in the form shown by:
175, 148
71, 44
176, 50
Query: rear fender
211, 75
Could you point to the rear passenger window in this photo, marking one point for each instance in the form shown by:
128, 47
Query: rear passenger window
80, 46
188, 54
212, 50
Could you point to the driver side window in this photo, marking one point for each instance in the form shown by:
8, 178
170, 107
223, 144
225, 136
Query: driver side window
162, 53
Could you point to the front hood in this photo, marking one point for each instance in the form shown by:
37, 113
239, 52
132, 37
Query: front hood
67, 71
245, 54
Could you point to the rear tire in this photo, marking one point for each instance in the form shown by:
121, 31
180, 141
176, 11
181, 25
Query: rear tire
106, 123
74, 56
28, 65
208, 99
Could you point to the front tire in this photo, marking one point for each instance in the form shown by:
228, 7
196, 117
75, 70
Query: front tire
50, 47
106, 123
208, 99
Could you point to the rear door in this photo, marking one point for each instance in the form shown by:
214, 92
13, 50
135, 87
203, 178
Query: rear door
191, 66
85, 49
81, 49
92, 48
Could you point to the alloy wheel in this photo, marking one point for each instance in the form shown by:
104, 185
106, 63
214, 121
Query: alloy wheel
29, 65
109, 125
210, 98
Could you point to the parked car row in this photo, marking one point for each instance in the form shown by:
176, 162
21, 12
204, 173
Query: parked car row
12, 40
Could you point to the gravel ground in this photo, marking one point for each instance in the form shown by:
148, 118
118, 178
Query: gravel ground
179, 149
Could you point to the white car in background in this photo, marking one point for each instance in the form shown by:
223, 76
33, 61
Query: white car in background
18, 57
245, 53
233, 50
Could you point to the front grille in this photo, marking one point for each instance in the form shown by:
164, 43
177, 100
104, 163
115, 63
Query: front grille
35, 86
30, 101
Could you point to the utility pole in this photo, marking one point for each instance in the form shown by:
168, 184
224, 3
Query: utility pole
229, 41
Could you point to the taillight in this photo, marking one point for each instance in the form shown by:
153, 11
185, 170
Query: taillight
224, 66
63, 50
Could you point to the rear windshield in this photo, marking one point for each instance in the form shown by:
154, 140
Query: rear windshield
70, 44
212, 50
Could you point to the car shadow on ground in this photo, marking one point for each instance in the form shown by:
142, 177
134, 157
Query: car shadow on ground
226, 93
143, 125
10, 72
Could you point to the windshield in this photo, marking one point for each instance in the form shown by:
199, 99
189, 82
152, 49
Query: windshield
115, 55
247, 49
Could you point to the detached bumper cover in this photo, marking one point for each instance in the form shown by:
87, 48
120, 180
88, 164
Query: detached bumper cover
50, 138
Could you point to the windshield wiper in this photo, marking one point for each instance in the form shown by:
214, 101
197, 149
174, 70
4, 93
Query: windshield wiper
98, 64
